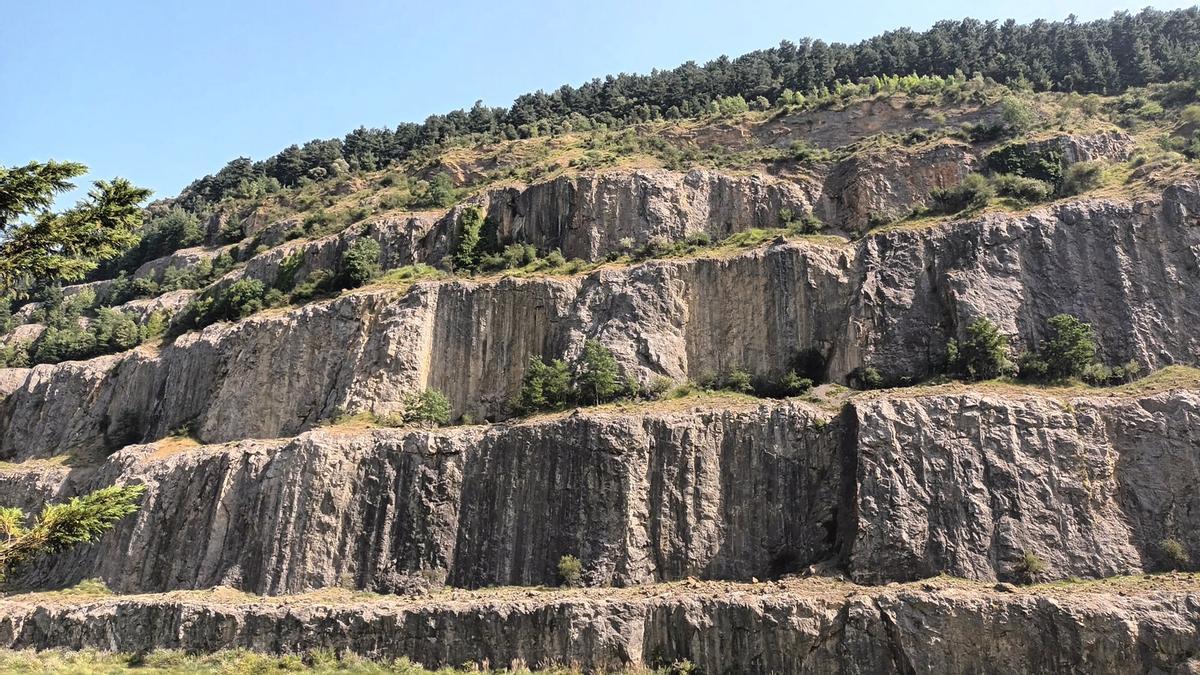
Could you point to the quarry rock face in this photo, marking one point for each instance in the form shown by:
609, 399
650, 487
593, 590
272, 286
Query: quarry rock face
891, 301
744, 629
888, 489
641, 498
261, 478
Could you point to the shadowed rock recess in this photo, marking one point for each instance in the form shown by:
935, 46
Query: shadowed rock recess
708, 490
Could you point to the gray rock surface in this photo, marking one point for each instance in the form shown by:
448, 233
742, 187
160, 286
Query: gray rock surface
967, 484
640, 498
895, 487
891, 301
728, 629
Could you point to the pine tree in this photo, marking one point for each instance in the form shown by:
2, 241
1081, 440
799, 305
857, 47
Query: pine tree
60, 526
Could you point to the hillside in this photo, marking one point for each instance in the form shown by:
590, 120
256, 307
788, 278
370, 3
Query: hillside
797, 383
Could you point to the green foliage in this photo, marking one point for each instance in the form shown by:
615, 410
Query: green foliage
570, 571
866, 377
15, 355
468, 249
597, 377
1069, 347
729, 106
66, 339
161, 235
970, 195
61, 246
427, 408
794, 385
1082, 177
1029, 568
545, 386
1173, 555
736, 379
60, 526
1043, 163
285, 276
1101, 375
1017, 114
982, 354
236, 301
1025, 190
593, 378
360, 263
441, 192
1066, 352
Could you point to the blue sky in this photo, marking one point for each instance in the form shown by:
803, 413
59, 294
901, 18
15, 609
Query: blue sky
165, 92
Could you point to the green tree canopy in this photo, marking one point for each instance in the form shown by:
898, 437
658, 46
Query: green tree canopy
40, 245
61, 526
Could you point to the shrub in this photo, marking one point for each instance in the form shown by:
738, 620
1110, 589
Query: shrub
428, 408
970, 195
317, 282
467, 251
1018, 114
285, 277
241, 299
1028, 161
792, 384
737, 380
545, 386
114, 331
1101, 375
866, 378
555, 259
1027, 190
1029, 567
360, 263
597, 377
15, 355
1174, 555
1069, 347
658, 388
1082, 177
981, 355
570, 571
441, 191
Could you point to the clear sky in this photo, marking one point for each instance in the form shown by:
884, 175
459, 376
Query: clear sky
163, 92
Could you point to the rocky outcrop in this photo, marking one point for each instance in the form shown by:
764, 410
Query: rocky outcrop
719, 628
890, 302
876, 187
895, 487
968, 484
592, 215
641, 498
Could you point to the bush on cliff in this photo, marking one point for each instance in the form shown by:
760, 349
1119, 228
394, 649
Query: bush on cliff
570, 571
1068, 349
545, 386
360, 263
981, 355
971, 194
596, 374
1173, 555
428, 408
593, 378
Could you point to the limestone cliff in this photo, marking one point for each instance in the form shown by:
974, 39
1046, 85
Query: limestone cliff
890, 301
720, 628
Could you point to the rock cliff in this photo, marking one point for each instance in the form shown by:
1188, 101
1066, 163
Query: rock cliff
720, 628
890, 301
889, 488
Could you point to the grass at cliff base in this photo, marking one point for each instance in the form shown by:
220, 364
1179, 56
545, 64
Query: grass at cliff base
233, 662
